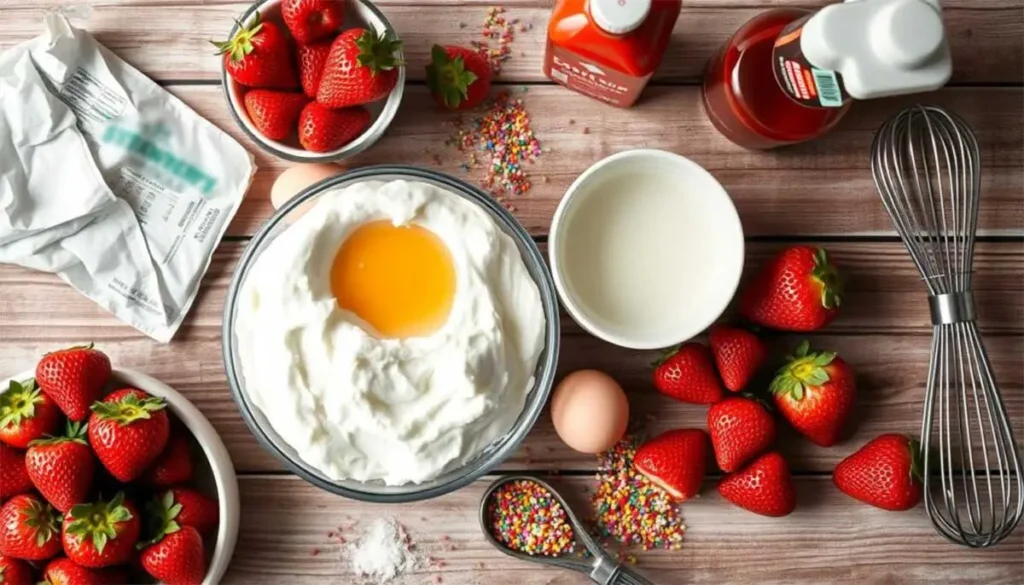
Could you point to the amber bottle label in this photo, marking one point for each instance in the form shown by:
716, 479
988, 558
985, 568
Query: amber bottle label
603, 83
806, 84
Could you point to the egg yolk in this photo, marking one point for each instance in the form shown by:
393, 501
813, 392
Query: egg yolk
399, 279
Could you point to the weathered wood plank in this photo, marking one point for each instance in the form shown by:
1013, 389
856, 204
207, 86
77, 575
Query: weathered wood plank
829, 538
177, 48
761, 4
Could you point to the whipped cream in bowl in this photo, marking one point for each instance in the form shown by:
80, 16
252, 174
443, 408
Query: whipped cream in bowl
391, 334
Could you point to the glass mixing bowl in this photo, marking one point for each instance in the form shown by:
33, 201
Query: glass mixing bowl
451, 479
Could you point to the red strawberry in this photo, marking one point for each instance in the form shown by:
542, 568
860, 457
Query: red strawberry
885, 473
13, 476
310, 20
259, 55
102, 534
675, 461
458, 78
361, 68
29, 529
311, 66
26, 413
322, 129
74, 378
175, 554
15, 572
188, 507
173, 466
815, 391
798, 290
740, 429
763, 487
738, 355
61, 468
274, 113
128, 430
64, 571
689, 375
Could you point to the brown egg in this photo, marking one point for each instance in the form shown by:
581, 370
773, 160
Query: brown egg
590, 411
296, 178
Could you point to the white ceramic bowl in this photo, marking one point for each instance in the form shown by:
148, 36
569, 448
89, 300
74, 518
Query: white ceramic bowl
214, 474
646, 249
358, 13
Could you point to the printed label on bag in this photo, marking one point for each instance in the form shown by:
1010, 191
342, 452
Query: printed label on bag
92, 102
803, 82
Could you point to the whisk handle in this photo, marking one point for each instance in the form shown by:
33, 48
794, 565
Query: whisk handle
956, 307
627, 576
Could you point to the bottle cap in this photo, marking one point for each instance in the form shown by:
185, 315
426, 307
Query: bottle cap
619, 16
880, 47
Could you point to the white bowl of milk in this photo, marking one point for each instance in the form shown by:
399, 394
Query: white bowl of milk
646, 249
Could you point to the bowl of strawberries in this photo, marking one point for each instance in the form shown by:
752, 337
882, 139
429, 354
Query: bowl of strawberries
313, 80
110, 476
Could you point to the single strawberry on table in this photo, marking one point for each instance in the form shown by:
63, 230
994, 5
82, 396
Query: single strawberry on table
14, 477
15, 572
29, 529
26, 413
312, 59
312, 20
128, 430
738, 353
798, 290
64, 571
815, 392
322, 129
458, 77
102, 534
174, 554
885, 473
274, 113
74, 378
763, 487
361, 68
675, 461
187, 507
688, 374
173, 466
62, 467
259, 55
740, 429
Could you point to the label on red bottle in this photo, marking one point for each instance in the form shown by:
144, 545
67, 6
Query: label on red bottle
806, 84
608, 85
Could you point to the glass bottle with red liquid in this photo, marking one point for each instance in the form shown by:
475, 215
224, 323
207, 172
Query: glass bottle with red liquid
788, 75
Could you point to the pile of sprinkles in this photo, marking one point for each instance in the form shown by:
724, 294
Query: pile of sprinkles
631, 509
501, 31
526, 518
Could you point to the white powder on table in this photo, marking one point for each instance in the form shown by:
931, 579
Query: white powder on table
383, 552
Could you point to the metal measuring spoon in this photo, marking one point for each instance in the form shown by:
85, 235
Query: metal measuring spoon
601, 567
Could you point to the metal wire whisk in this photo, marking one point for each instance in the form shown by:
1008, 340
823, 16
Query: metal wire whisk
926, 166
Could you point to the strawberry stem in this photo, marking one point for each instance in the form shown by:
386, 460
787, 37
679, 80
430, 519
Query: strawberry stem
162, 511
377, 53
806, 369
97, 521
73, 433
19, 402
448, 77
828, 280
240, 45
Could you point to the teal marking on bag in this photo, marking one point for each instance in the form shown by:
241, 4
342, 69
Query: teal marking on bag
828, 88
143, 147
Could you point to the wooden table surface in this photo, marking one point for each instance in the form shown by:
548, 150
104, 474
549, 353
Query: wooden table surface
815, 193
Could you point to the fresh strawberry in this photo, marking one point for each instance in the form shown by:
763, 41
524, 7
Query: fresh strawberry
885, 473
173, 466
763, 487
14, 478
459, 78
74, 378
738, 355
740, 429
311, 20
361, 68
15, 572
64, 571
322, 129
102, 534
128, 430
274, 113
29, 529
175, 553
675, 461
61, 468
815, 391
689, 375
188, 507
798, 290
311, 66
259, 55
26, 413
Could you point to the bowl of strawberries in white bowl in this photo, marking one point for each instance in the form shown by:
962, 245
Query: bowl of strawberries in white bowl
110, 476
313, 81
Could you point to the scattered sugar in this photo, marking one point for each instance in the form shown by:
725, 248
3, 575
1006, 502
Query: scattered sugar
383, 552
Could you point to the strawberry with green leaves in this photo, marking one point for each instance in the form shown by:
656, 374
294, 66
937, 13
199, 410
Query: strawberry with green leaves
15, 572
688, 375
102, 534
675, 461
885, 473
322, 129
29, 529
740, 429
274, 113
74, 378
173, 466
14, 477
128, 430
815, 392
798, 290
763, 487
312, 20
259, 55
458, 77
62, 467
361, 68
174, 554
64, 571
26, 413
191, 508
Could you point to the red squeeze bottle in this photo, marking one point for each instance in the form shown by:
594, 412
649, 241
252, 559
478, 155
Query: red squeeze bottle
608, 49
